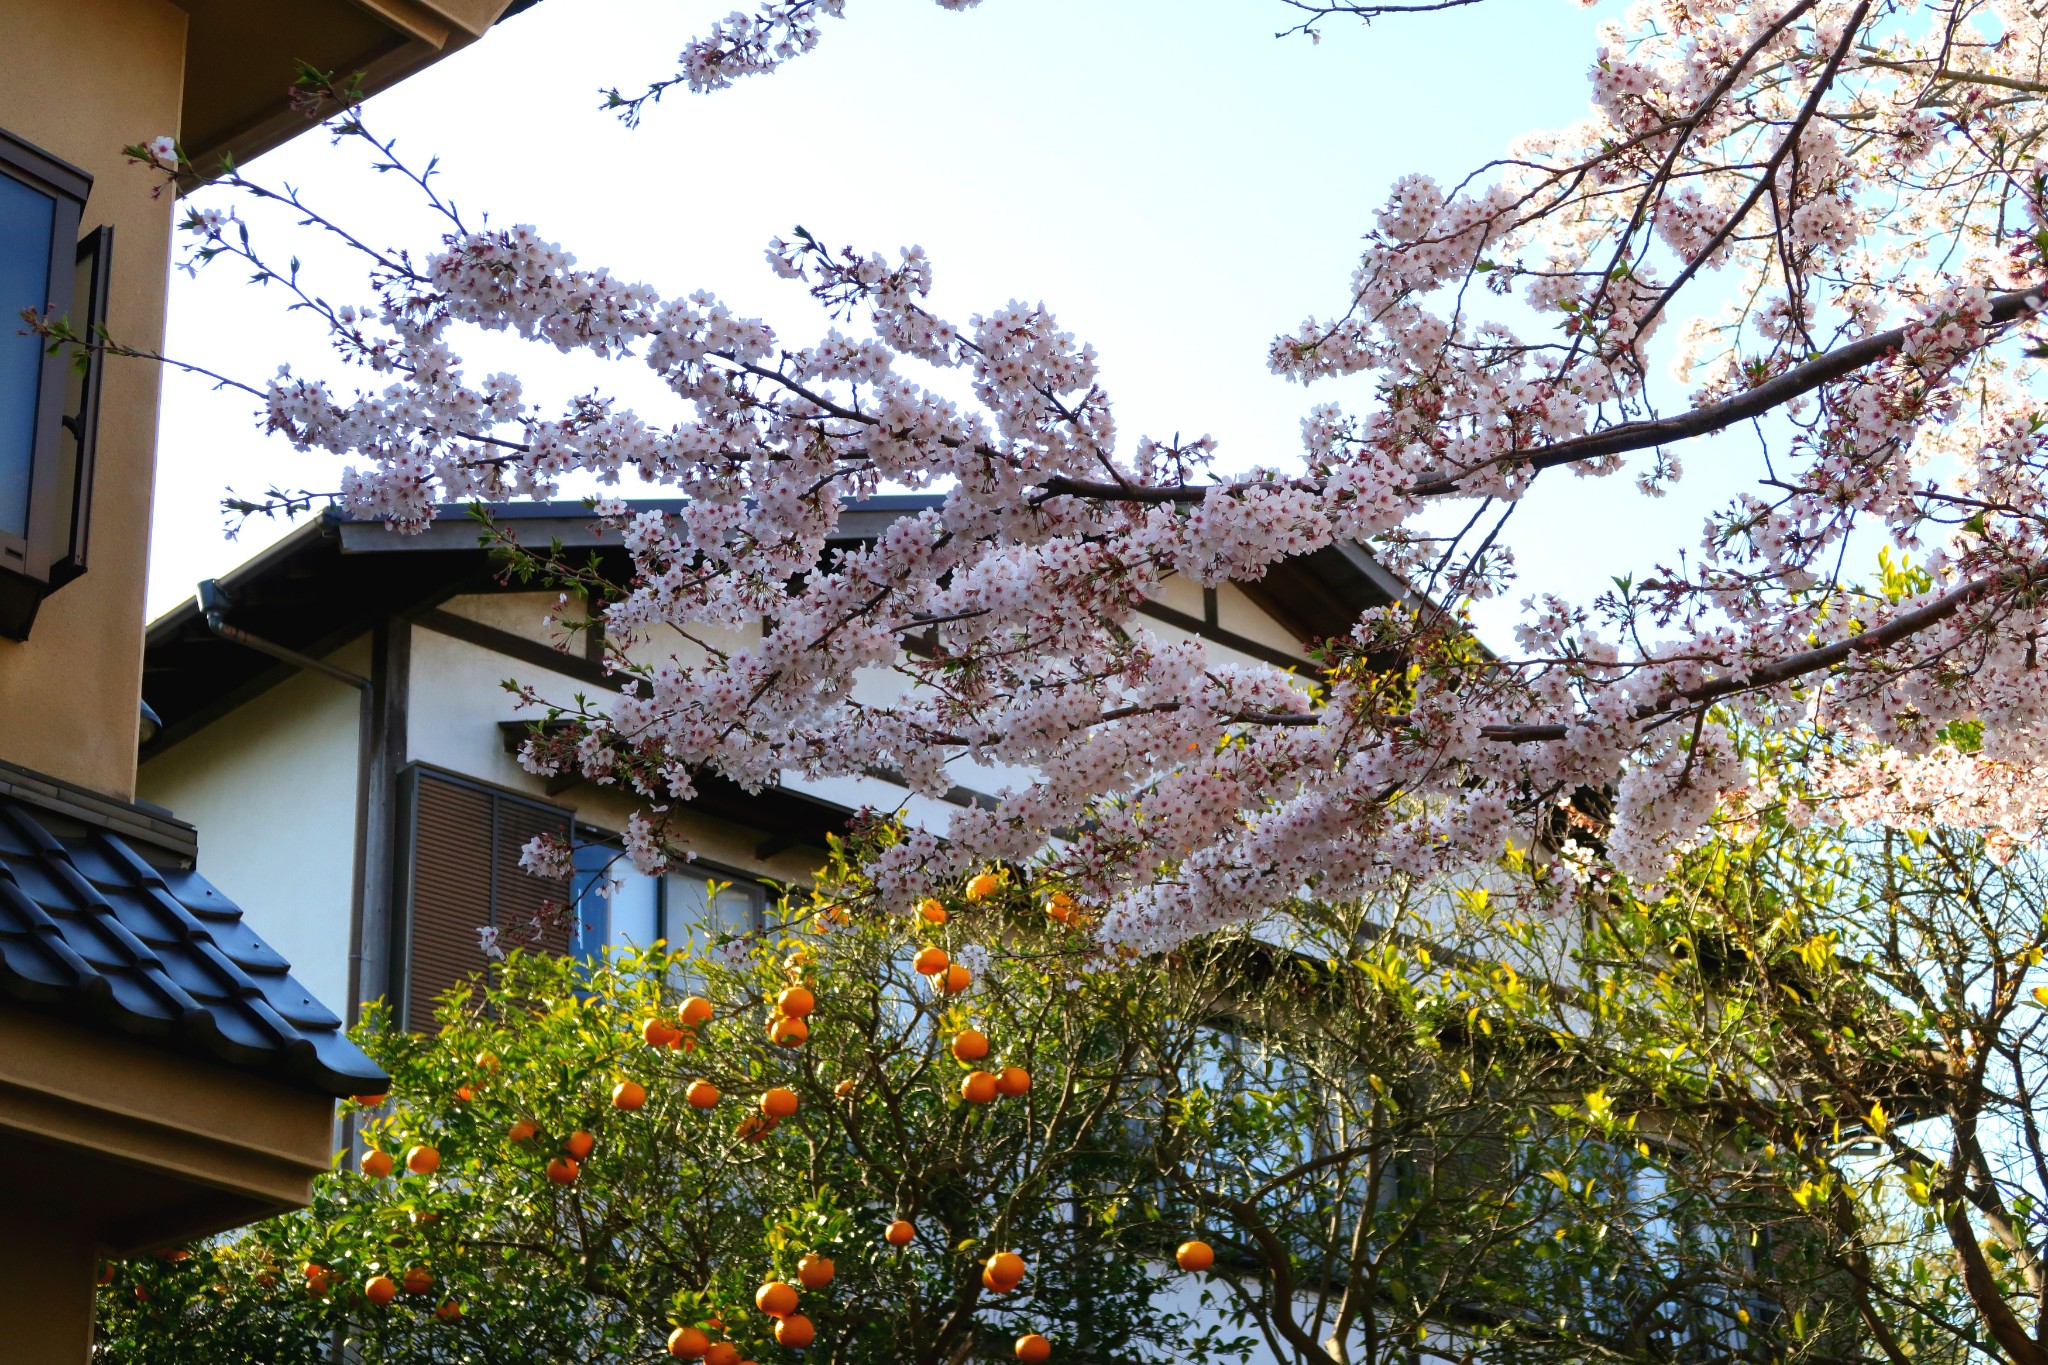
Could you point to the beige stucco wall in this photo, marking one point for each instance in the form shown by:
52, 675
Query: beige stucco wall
271, 787
82, 79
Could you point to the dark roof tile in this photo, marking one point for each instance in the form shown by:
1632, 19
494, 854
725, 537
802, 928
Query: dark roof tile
91, 929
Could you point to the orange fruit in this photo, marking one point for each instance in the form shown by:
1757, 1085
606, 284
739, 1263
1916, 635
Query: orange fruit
376, 1164
778, 1102
563, 1170
814, 1271
794, 1331
721, 1353
1060, 908
844, 1090
795, 1002
992, 1284
487, 1061
522, 1130
370, 1101
463, 1094
982, 885
658, 1032
1013, 1081
900, 1232
418, 1280
930, 911
687, 1343
978, 1088
628, 1095
579, 1145
970, 1045
696, 1010
1033, 1348
380, 1289
786, 1032
1006, 1268
1194, 1256
776, 1299
958, 979
755, 1127
449, 1311
930, 961
422, 1160
701, 1094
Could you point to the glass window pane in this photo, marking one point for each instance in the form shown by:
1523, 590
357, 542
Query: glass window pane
692, 913
27, 218
635, 910
616, 907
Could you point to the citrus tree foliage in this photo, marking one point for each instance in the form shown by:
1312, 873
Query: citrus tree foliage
1809, 227
1405, 1136
1834, 1047
677, 1215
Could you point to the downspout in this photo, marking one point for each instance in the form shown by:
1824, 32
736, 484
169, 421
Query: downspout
213, 606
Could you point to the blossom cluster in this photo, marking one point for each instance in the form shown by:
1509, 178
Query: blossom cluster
1834, 216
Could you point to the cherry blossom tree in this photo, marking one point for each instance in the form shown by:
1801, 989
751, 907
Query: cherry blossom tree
1813, 229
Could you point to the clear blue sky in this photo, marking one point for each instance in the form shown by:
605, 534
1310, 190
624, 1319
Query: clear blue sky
1177, 185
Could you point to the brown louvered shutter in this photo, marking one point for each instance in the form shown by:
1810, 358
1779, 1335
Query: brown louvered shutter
465, 875
531, 911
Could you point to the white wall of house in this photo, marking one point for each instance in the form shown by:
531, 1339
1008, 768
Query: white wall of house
272, 787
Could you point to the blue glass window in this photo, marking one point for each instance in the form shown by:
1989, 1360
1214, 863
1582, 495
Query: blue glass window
27, 221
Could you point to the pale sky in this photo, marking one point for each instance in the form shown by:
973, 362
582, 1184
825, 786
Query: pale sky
1173, 182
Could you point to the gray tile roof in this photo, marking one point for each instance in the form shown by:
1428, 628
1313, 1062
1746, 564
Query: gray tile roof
92, 930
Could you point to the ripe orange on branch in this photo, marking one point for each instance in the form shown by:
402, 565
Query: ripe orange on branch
563, 1170
970, 1045
380, 1290
796, 1002
1006, 1268
786, 1032
449, 1311
978, 1088
522, 1130
1033, 1348
417, 1280
628, 1095
814, 1271
1013, 1081
794, 1331
778, 1102
579, 1145
1194, 1256
376, 1164
659, 1033
422, 1160
687, 1343
776, 1298
900, 1232
982, 885
930, 961
696, 1010
721, 1353
956, 980
701, 1095
930, 911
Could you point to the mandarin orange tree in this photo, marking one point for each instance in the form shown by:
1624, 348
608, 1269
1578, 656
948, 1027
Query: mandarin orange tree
792, 1145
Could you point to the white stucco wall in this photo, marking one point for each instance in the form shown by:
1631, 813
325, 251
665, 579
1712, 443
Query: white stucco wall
271, 787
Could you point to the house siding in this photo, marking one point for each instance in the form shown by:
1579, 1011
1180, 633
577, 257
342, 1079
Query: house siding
272, 787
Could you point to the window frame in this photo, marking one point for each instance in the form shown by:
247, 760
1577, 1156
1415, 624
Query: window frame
51, 551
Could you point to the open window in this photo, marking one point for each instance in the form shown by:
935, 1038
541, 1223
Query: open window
49, 395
